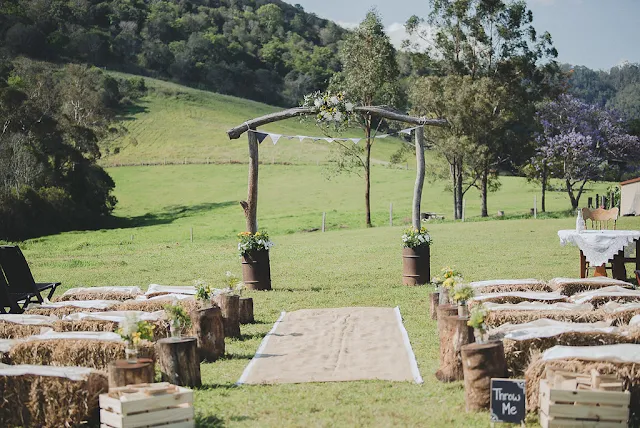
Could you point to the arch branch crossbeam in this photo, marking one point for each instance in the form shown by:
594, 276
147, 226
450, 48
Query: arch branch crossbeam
250, 206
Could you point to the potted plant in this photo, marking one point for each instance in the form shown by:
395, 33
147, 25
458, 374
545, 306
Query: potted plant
462, 293
476, 320
450, 277
204, 292
254, 251
416, 257
178, 319
133, 331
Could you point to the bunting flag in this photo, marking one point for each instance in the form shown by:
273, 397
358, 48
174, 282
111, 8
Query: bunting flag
260, 136
276, 137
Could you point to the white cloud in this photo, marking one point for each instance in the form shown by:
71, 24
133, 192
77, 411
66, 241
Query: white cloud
397, 33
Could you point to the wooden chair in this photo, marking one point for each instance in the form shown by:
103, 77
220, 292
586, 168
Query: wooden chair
599, 219
19, 277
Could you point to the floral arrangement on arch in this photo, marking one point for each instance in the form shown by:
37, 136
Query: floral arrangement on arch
414, 238
332, 109
133, 330
253, 242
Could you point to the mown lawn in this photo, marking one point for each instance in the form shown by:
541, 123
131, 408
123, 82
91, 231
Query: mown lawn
346, 266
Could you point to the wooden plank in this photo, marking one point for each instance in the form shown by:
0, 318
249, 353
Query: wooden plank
113, 404
182, 424
146, 419
595, 397
158, 402
577, 411
547, 422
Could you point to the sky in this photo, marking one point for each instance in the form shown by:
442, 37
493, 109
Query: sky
598, 34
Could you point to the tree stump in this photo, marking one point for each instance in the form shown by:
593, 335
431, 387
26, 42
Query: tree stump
435, 301
480, 363
208, 328
123, 373
179, 362
454, 333
246, 311
230, 306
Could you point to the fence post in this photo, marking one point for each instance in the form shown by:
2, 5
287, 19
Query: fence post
391, 214
464, 208
191, 233
535, 206
324, 217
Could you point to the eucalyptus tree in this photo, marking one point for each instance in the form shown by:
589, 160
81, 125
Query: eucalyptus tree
369, 77
493, 39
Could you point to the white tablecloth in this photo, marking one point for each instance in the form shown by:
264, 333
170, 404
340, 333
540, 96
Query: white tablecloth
599, 246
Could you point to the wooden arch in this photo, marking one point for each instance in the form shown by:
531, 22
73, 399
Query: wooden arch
250, 206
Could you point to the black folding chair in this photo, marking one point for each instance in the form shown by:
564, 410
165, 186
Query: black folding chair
19, 277
8, 300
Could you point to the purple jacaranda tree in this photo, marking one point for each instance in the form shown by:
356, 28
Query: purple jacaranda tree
578, 143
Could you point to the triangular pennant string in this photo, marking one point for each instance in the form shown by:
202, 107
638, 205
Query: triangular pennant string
329, 140
260, 136
275, 138
407, 131
301, 137
382, 136
355, 140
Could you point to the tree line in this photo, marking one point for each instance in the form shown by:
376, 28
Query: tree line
265, 50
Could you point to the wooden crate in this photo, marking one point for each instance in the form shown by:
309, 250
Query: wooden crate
147, 405
567, 408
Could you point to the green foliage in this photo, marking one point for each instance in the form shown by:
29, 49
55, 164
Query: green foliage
176, 313
203, 290
215, 45
463, 293
477, 316
49, 147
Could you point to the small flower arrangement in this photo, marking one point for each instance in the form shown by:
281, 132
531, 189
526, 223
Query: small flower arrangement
203, 290
463, 293
414, 238
476, 321
234, 284
133, 331
332, 109
253, 242
178, 318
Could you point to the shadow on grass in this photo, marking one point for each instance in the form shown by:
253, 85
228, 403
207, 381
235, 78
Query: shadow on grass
167, 216
293, 290
209, 421
128, 113
251, 336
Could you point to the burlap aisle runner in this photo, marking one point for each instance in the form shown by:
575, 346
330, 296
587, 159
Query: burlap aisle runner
331, 345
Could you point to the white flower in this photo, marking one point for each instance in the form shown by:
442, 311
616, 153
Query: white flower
349, 106
338, 116
334, 100
317, 102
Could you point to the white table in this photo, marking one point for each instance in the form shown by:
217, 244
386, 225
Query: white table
601, 246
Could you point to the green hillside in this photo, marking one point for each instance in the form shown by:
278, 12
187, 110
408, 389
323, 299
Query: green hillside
174, 123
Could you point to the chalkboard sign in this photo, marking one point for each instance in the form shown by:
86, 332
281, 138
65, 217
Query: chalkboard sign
508, 400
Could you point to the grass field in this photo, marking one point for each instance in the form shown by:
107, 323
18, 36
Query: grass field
174, 124
347, 266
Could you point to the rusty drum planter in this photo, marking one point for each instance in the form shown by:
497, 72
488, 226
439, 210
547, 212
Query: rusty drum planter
416, 265
256, 271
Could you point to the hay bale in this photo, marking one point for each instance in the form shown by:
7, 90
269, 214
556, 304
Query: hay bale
519, 353
99, 293
160, 327
497, 318
620, 314
49, 401
9, 330
515, 297
95, 354
571, 286
607, 295
157, 305
509, 285
628, 373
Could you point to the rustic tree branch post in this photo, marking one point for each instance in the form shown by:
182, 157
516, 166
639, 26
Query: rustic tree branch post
246, 310
208, 328
179, 362
250, 206
417, 191
230, 306
434, 302
123, 373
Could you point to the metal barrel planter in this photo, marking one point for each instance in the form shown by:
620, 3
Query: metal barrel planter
256, 271
416, 265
